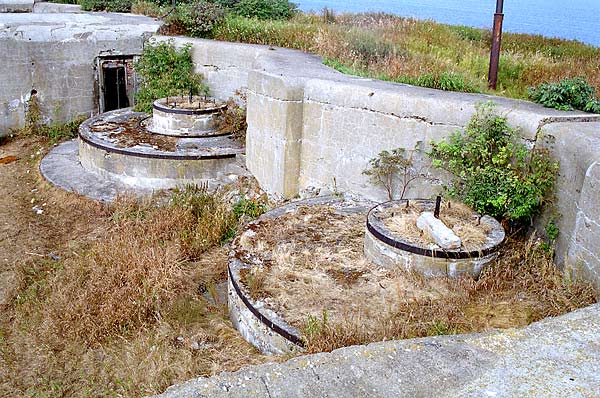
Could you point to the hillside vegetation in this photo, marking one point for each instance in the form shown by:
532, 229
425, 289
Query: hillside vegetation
423, 53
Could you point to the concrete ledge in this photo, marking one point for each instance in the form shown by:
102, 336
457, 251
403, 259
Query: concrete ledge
557, 357
62, 168
16, 5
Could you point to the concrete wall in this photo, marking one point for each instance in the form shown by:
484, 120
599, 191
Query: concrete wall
311, 128
55, 55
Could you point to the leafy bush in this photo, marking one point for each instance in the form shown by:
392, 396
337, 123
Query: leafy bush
265, 9
164, 71
198, 19
106, 5
148, 8
566, 95
496, 174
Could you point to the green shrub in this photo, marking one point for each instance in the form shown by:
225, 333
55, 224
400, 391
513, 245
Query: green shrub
566, 95
265, 9
495, 173
393, 168
198, 19
106, 5
446, 81
226, 3
165, 71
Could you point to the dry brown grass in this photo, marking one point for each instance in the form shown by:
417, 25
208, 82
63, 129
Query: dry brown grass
313, 273
402, 220
123, 312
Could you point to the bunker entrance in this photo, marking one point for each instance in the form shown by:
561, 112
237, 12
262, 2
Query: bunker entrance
117, 83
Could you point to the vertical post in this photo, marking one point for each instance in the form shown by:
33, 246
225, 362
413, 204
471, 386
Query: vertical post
438, 202
496, 40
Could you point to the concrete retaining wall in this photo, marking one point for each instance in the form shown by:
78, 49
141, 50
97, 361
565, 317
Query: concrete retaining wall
55, 55
311, 128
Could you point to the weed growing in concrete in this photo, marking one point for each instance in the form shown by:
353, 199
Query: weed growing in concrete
166, 71
385, 169
232, 119
495, 173
36, 125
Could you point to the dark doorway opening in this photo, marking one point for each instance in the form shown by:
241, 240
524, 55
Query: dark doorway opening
115, 88
116, 82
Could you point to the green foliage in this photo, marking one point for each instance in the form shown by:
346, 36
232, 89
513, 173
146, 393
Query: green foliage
387, 167
495, 173
447, 81
265, 9
566, 95
314, 326
250, 208
470, 34
212, 218
243, 211
165, 71
552, 230
63, 131
36, 124
106, 5
281, 33
199, 19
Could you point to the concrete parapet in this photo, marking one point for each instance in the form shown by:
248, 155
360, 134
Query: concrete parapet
576, 146
312, 128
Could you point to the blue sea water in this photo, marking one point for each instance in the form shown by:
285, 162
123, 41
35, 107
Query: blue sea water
568, 19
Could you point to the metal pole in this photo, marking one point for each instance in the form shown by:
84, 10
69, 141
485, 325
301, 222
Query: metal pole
496, 40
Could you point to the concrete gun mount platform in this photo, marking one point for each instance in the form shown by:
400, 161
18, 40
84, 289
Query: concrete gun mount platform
116, 154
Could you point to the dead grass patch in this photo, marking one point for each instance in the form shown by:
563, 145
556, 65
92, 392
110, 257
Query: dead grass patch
312, 272
402, 221
123, 311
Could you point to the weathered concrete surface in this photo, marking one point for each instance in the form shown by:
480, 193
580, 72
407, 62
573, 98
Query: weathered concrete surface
62, 168
557, 357
51, 8
55, 55
576, 146
16, 5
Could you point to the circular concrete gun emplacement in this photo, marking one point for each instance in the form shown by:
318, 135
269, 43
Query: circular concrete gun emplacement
455, 242
285, 251
116, 153
185, 117
300, 271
